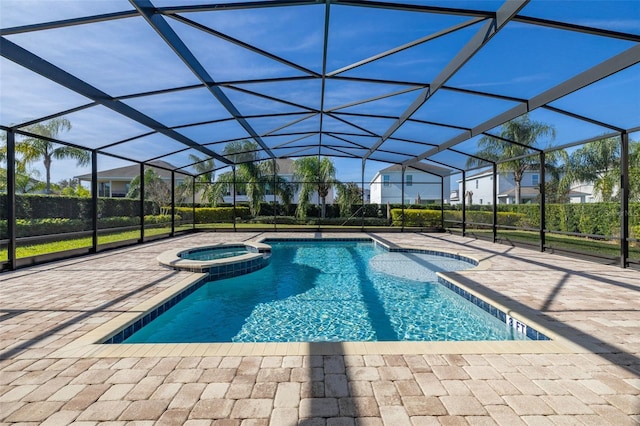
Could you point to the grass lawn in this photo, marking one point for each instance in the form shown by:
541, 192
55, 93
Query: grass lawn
28, 250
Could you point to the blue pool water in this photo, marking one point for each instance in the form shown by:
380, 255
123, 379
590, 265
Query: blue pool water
213, 253
329, 291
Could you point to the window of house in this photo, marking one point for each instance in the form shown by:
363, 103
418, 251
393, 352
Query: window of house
480, 200
104, 189
535, 179
476, 183
385, 179
409, 179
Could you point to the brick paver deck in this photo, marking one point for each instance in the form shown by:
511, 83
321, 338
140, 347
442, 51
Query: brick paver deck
589, 375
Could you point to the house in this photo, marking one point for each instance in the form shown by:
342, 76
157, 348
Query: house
422, 185
479, 188
583, 192
115, 182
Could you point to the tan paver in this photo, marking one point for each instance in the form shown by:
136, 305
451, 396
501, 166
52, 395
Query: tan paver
51, 372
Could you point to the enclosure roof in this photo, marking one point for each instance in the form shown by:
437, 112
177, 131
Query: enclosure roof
403, 82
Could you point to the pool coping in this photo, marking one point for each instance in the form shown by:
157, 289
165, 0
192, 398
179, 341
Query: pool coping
91, 344
172, 259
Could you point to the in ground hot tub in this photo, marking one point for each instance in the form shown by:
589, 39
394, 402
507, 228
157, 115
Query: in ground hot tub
220, 261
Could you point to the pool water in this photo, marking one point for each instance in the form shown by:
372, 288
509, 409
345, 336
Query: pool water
213, 253
329, 291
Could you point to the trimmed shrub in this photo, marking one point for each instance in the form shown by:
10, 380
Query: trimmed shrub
40, 206
416, 217
281, 220
109, 207
213, 214
483, 218
118, 222
33, 227
159, 218
354, 221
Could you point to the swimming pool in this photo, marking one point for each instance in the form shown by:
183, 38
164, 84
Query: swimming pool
330, 291
213, 253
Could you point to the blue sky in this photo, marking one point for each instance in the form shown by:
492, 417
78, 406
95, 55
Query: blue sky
125, 56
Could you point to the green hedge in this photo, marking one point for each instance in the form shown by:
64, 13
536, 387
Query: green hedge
416, 217
213, 214
354, 221
40, 206
431, 218
584, 218
51, 226
280, 220
32, 227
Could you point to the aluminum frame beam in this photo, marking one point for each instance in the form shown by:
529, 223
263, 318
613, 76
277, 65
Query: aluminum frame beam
161, 26
482, 37
602, 70
325, 51
406, 46
30, 61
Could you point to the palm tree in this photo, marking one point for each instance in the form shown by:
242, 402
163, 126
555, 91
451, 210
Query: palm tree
348, 194
599, 163
314, 174
250, 171
596, 162
34, 149
286, 190
204, 176
514, 157
156, 190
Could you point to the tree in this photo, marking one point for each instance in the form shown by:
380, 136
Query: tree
348, 194
204, 179
514, 157
156, 189
314, 174
244, 155
33, 149
595, 162
26, 181
599, 163
252, 174
73, 188
286, 190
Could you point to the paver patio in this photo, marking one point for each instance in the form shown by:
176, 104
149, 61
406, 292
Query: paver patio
589, 375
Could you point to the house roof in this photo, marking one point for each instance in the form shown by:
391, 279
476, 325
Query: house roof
426, 168
130, 172
579, 193
285, 167
525, 192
